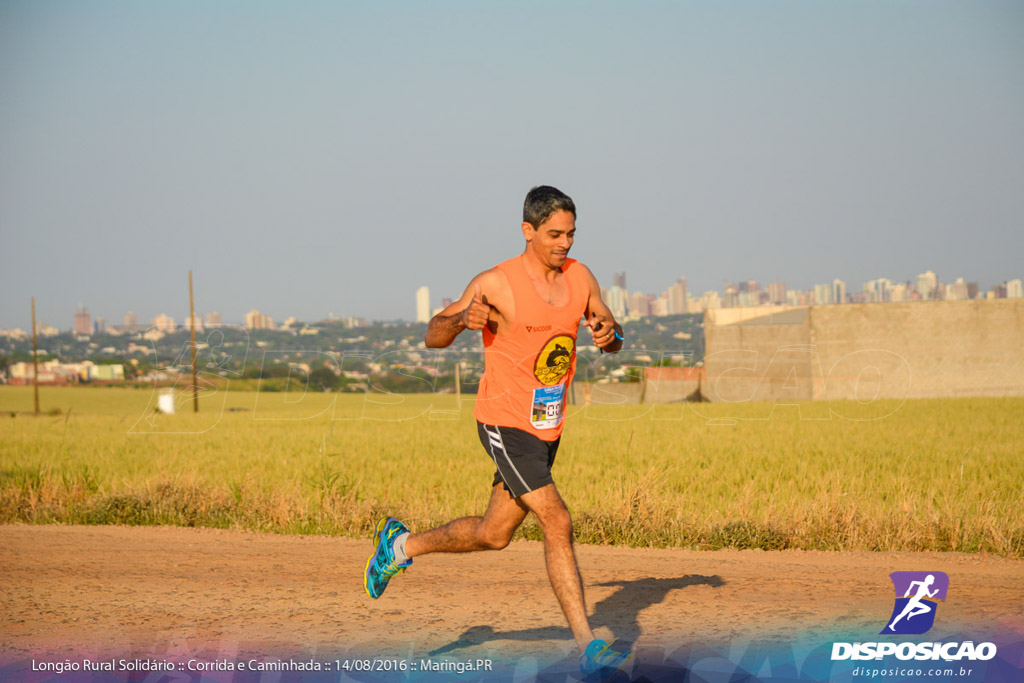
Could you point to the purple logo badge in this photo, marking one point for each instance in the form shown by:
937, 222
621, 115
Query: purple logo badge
917, 596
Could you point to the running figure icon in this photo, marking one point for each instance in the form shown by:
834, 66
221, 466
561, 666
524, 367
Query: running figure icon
916, 605
917, 594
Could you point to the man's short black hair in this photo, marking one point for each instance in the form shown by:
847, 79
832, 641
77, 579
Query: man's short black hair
544, 200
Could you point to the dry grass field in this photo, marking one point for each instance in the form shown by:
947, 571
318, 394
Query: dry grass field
921, 475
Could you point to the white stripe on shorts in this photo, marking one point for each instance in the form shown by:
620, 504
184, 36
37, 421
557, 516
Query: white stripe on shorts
501, 446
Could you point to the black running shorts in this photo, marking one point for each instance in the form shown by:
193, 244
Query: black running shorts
523, 461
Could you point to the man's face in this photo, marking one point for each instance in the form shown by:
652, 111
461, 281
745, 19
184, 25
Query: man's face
552, 239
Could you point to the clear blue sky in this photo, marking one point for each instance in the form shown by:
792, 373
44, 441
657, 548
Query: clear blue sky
317, 157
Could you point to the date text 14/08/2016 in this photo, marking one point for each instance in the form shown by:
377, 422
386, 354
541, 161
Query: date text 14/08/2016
457, 667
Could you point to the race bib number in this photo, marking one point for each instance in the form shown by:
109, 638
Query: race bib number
546, 411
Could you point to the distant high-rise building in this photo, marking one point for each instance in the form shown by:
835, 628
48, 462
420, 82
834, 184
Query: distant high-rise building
822, 294
746, 295
1014, 289
131, 321
838, 291
677, 297
957, 291
777, 292
710, 299
164, 323
619, 279
213, 319
423, 304
83, 321
254, 320
878, 290
616, 301
99, 325
730, 298
927, 284
639, 305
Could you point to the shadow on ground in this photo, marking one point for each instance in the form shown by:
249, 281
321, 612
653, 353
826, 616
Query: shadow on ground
619, 612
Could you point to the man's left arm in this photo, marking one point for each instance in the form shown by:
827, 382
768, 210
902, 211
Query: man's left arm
607, 333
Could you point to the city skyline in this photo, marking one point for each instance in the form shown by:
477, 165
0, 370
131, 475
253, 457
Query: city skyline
330, 157
677, 298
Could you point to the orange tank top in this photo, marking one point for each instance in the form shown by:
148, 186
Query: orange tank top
528, 368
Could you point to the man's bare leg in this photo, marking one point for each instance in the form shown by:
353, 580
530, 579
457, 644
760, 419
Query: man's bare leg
563, 570
493, 531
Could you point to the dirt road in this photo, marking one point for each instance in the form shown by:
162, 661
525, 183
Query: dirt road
73, 592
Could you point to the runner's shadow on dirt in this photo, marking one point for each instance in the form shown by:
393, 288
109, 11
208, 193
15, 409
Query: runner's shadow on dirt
620, 612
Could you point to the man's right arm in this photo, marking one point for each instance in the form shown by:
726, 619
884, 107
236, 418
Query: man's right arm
468, 313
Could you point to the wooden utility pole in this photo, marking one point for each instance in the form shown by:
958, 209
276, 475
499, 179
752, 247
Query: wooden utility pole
35, 356
192, 318
458, 388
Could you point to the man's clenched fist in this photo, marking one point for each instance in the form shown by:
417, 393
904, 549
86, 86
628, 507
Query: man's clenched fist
476, 314
602, 330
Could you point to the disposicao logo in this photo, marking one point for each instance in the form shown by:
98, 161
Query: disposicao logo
917, 599
917, 596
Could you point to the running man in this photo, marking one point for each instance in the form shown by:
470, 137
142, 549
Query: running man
916, 605
529, 310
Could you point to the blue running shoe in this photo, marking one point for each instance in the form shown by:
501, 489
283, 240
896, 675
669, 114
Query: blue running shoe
382, 565
599, 661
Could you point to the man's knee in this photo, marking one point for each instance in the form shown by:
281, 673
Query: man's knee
556, 521
494, 539
495, 531
550, 510
496, 542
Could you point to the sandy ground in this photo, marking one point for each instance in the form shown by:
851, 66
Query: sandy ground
113, 591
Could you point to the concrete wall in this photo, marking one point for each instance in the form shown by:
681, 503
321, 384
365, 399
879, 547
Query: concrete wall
866, 351
632, 393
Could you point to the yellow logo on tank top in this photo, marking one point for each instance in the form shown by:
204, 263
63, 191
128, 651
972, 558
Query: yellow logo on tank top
555, 359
